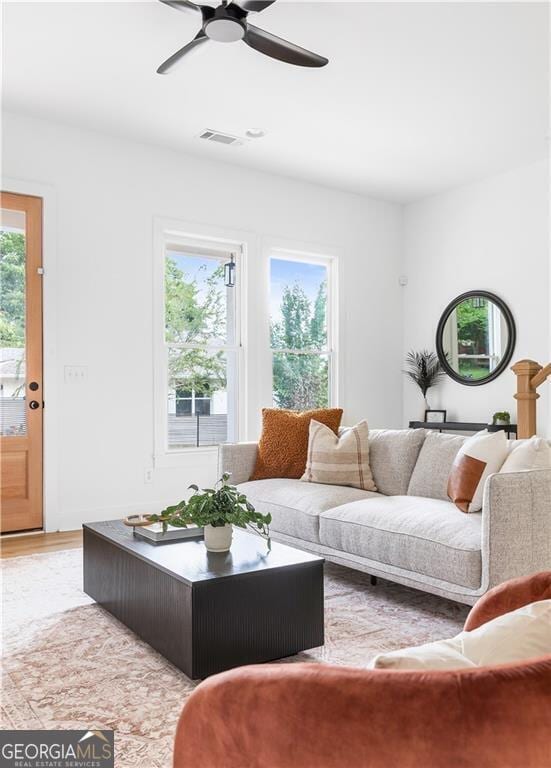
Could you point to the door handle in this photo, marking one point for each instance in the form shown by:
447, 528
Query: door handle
34, 404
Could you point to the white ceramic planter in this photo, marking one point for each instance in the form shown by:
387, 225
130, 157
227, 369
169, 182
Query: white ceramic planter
218, 538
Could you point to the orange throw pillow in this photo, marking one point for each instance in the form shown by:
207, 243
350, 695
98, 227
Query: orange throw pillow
283, 446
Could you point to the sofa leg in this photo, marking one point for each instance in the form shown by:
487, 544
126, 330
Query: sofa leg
373, 580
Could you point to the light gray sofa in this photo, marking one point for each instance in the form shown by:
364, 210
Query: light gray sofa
410, 532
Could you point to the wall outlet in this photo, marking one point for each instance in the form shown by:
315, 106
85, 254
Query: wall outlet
148, 476
75, 373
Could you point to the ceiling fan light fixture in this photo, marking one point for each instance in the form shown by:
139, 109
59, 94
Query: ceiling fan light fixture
224, 30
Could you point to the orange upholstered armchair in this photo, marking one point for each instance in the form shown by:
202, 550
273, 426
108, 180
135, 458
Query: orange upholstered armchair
321, 716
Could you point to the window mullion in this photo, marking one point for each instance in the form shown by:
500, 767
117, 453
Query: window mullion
301, 351
206, 347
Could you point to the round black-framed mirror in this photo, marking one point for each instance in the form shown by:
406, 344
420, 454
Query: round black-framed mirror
476, 338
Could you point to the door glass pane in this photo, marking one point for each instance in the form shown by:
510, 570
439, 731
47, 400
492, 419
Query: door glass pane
298, 305
201, 387
199, 309
300, 382
12, 323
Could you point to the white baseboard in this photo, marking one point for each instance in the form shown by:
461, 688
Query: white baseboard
75, 521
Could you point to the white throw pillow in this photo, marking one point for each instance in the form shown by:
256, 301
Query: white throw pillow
534, 453
481, 455
515, 636
443, 654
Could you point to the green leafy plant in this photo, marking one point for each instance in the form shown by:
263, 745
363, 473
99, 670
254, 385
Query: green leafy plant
501, 416
424, 369
218, 506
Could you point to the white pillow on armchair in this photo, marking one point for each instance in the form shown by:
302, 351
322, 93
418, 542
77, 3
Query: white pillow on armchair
515, 636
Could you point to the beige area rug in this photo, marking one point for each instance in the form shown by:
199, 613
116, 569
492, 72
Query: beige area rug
68, 664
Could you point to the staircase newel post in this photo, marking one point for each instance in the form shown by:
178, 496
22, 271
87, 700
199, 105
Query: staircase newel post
526, 396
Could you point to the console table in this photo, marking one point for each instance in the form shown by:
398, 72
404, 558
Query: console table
464, 426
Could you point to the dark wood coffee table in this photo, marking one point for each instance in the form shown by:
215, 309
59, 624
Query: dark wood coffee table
204, 611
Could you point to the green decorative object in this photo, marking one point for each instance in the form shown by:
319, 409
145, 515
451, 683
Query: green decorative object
218, 507
501, 417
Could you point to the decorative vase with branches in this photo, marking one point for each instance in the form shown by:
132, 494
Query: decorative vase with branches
425, 369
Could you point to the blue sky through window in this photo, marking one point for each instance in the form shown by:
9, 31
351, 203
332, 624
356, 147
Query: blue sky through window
213, 300
282, 273
198, 268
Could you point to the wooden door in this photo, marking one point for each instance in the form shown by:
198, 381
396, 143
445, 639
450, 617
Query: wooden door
21, 396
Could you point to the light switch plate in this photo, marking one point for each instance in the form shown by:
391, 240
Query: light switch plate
75, 373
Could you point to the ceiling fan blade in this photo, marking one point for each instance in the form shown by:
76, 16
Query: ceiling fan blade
175, 58
182, 5
253, 5
280, 49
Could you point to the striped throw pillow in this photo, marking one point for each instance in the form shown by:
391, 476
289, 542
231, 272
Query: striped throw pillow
340, 460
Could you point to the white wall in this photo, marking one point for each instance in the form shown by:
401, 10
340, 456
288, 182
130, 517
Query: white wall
492, 235
107, 192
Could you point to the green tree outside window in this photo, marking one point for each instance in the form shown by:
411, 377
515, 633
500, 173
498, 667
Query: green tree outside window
300, 381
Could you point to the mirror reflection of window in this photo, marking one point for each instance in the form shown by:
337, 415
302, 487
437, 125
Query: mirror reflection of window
473, 321
475, 338
499, 336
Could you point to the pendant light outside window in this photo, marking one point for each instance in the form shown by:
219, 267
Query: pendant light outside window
229, 273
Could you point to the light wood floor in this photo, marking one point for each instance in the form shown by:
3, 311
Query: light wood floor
30, 544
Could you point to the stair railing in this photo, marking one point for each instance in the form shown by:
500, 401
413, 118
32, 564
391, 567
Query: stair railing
530, 375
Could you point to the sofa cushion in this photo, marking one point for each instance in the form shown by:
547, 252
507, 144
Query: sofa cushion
431, 473
295, 506
425, 536
392, 456
283, 444
339, 460
479, 457
533, 453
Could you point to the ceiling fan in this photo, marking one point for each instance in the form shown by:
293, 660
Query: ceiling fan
228, 23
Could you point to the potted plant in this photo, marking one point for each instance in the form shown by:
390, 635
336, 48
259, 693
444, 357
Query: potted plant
501, 418
425, 369
216, 510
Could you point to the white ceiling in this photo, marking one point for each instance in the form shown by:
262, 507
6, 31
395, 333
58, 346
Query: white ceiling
417, 97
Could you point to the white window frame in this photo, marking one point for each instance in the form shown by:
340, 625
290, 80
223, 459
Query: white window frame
208, 241
330, 262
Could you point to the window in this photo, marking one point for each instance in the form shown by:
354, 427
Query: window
189, 401
13, 411
200, 350
301, 334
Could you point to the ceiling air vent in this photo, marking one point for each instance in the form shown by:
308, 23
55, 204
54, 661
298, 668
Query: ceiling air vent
220, 138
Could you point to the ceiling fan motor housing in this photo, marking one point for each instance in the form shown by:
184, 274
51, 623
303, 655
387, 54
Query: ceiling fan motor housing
226, 24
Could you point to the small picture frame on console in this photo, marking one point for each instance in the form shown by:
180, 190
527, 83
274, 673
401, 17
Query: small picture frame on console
435, 417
